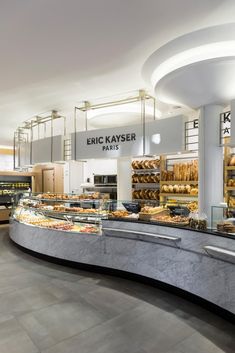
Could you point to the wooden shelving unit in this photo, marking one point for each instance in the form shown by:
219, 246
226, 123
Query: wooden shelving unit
229, 173
229, 188
146, 171
157, 185
162, 194
147, 185
138, 186
175, 182
146, 200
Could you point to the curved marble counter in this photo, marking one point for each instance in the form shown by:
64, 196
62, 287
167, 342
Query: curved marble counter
198, 263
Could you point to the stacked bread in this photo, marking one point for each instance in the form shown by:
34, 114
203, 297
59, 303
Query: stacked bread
231, 201
145, 178
232, 161
231, 182
145, 194
179, 189
146, 164
182, 172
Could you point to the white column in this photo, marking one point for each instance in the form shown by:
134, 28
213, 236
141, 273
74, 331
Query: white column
124, 174
210, 160
232, 103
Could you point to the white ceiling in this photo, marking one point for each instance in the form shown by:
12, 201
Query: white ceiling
55, 53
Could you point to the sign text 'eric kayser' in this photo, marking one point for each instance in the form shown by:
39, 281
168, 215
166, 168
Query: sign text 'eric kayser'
111, 142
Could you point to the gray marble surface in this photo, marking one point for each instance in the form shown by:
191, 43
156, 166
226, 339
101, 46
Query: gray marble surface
185, 266
50, 308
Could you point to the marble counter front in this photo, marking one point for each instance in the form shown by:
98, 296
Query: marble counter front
198, 263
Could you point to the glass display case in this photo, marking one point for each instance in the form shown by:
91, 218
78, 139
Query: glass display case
149, 211
223, 219
10, 185
66, 212
84, 213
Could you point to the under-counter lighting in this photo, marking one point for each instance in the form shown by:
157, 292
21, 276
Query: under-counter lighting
192, 56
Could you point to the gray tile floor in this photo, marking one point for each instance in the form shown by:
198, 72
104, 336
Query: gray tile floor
53, 309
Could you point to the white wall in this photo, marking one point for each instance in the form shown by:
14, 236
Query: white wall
73, 176
6, 162
99, 166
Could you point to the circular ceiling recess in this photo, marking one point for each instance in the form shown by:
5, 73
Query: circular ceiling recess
195, 69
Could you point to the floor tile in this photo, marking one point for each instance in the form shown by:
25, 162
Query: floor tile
199, 343
13, 339
27, 299
109, 301
58, 322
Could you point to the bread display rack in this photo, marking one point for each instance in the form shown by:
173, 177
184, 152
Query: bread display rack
146, 179
229, 177
170, 178
179, 178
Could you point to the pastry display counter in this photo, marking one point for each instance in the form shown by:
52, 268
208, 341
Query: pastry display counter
194, 261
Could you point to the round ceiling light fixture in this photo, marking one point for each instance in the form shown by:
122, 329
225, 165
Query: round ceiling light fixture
192, 56
193, 48
133, 108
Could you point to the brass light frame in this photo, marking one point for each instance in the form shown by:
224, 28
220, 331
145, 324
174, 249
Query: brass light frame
142, 97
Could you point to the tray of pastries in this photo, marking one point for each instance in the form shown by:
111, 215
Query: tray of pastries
226, 227
147, 212
119, 214
65, 197
174, 220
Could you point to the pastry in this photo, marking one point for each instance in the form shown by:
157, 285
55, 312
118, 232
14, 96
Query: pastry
232, 161
176, 189
188, 189
194, 191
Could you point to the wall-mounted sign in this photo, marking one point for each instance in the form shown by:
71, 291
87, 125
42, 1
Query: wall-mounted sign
161, 136
192, 135
225, 127
165, 136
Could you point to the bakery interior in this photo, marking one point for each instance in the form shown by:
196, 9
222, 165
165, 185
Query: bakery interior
118, 194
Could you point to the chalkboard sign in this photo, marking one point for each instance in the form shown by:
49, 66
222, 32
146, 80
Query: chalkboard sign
132, 207
179, 210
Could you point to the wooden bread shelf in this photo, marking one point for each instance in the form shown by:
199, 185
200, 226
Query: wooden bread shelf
229, 188
230, 167
146, 170
148, 185
156, 200
174, 182
176, 195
